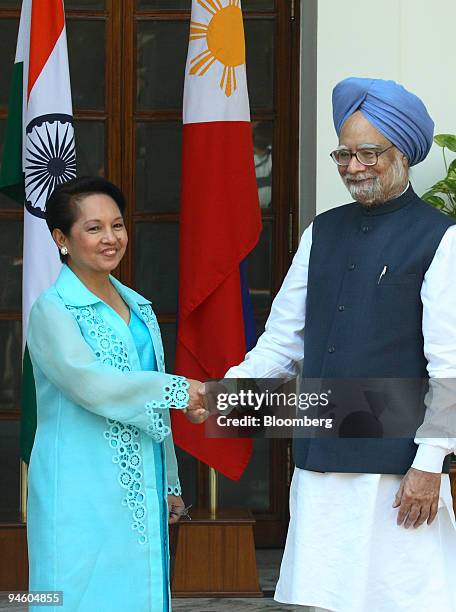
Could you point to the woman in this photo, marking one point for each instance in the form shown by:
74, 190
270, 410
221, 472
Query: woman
103, 460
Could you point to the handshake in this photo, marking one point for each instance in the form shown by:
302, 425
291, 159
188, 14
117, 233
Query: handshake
202, 401
197, 410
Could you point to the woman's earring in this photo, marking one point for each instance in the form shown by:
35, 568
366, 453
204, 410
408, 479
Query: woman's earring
64, 250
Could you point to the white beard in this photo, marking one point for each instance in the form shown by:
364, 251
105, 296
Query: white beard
378, 189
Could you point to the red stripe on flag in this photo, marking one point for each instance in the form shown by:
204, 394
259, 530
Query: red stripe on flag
213, 333
48, 20
229, 456
220, 224
220, 219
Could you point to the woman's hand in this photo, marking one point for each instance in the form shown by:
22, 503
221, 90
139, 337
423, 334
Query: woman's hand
196, 411
176, 508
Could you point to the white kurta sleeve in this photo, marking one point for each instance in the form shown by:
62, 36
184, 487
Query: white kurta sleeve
438, 294
60, 354
281, 347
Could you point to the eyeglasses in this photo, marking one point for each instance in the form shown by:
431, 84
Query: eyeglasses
367, 157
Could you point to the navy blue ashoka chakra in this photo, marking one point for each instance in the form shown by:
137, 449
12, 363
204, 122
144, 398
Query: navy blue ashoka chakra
50, 159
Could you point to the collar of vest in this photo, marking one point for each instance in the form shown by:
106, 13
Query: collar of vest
391, 206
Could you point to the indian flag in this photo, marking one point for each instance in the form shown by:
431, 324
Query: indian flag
39, 153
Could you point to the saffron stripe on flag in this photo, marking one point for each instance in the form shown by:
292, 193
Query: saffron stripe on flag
43, 36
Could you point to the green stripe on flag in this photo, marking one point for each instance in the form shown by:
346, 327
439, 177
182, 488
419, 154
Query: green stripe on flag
12, 184
28, 408
11, 174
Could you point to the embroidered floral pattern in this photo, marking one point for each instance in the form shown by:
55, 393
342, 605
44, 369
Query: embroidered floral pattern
175, 395
151, 320
125, 439
176, 392
175, 490
110, 350
149, 317
157, 429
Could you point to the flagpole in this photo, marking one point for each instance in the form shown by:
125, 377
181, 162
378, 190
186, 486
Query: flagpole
213, 492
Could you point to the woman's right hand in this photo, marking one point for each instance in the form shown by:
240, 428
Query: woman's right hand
196, 411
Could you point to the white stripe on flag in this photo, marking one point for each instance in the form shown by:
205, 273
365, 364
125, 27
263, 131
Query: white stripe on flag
204, 98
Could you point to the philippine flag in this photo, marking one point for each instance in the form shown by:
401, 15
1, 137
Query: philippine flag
220, 220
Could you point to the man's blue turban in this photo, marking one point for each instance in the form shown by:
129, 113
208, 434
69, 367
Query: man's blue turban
395, 112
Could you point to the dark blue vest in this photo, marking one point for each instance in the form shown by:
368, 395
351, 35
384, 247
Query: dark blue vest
358, 326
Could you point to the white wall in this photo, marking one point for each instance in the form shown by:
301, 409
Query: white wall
410, 41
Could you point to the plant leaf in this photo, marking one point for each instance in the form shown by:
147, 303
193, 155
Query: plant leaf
447, 185
450, 183
452, 170
435, 201
433, 192
440, 187
446, 140
429, 193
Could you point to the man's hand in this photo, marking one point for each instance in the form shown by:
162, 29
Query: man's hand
196, 410
417, 498
176, 508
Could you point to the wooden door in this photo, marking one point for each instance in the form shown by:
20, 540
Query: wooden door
127, 60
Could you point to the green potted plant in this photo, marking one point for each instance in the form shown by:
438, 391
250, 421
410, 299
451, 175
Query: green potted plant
442, 195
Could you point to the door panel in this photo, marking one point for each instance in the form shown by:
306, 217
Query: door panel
127, 60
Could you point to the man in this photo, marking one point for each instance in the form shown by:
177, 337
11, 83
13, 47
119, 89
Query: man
262, 149
370, 294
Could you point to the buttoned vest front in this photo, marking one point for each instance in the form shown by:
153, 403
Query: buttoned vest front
364, 321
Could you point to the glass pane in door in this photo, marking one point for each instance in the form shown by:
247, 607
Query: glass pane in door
86, 51
165, 5
10, 364
8, 40
259, 264
90, 147
262, 132
85, 4
9, 474
256, 5
158, 166
5, 201
247, 5
161, 57
168, 332
259, 40
10, 265
156, 264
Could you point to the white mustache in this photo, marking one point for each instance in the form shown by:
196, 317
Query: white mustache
355, 178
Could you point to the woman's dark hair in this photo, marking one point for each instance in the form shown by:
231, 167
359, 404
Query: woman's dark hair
62, 206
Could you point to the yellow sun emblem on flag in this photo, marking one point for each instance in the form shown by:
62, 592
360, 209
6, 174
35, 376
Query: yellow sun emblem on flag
224, 35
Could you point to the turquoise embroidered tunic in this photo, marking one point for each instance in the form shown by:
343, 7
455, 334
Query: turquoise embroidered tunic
147, 360
96, 520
